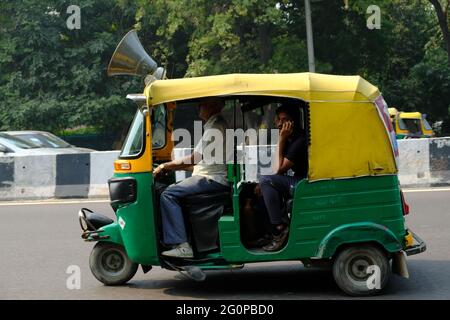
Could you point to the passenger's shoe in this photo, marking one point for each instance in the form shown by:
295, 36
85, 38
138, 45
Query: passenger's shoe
183, 250
278, 241
260, 242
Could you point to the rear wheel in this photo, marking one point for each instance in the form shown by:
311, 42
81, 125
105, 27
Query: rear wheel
110, 264
361, 270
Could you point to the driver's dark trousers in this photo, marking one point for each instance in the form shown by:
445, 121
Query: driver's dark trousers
174, 230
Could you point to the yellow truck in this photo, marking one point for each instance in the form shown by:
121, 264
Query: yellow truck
410, 124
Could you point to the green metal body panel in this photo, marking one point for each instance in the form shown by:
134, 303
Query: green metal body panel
138, 235
358, 232
323, 215
113, 232
233, 173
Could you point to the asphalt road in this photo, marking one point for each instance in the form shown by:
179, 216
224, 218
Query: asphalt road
38, 243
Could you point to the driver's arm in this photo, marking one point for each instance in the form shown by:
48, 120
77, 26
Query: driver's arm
185, 163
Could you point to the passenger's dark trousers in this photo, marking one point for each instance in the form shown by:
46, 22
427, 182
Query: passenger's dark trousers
274, 189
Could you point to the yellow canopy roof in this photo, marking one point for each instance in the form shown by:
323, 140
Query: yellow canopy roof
405, 115
393, 111
410, 115
306, 86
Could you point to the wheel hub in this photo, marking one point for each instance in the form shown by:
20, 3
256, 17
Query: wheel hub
113, 261
358, 268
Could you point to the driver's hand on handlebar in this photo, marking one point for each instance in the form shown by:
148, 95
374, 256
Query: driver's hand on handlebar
158, 170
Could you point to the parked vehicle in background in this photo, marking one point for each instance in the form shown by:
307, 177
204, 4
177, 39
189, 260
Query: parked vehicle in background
410, 124
44, 139
10, 145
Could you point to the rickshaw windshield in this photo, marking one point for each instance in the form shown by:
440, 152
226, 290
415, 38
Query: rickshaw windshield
134, 142
412, 125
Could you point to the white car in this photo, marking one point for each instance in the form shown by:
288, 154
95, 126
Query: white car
47, 140
10, 145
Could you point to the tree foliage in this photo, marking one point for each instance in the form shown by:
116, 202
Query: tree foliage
52, 77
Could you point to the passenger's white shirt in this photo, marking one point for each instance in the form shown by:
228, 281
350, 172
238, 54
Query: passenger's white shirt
213, 164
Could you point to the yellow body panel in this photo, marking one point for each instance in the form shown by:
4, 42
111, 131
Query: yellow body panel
144, 162
400, 131
348, 140
426, 132
348, 137
165, 153
409, 240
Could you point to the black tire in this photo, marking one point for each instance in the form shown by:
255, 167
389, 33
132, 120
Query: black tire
110, 264
350, 269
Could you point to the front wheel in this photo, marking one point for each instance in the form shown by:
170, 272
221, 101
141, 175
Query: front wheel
110, 264
361, 270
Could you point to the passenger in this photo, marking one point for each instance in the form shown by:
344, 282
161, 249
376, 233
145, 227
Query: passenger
208, 176
291, 155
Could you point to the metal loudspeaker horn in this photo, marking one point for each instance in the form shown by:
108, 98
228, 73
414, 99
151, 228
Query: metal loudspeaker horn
130, 58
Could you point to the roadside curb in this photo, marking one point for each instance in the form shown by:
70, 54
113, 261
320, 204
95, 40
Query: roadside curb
423, 163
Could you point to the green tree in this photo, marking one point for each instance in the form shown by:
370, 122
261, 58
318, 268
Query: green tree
442, 12
54, 78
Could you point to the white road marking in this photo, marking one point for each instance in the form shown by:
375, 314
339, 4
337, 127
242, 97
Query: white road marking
32, 203
426, 190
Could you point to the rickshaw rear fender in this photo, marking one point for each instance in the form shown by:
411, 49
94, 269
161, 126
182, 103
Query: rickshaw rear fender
358, 233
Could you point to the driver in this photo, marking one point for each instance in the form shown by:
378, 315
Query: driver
208, 176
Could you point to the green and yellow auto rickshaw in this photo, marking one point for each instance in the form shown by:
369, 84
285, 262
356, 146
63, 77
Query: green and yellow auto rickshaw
349, 213
410, 124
